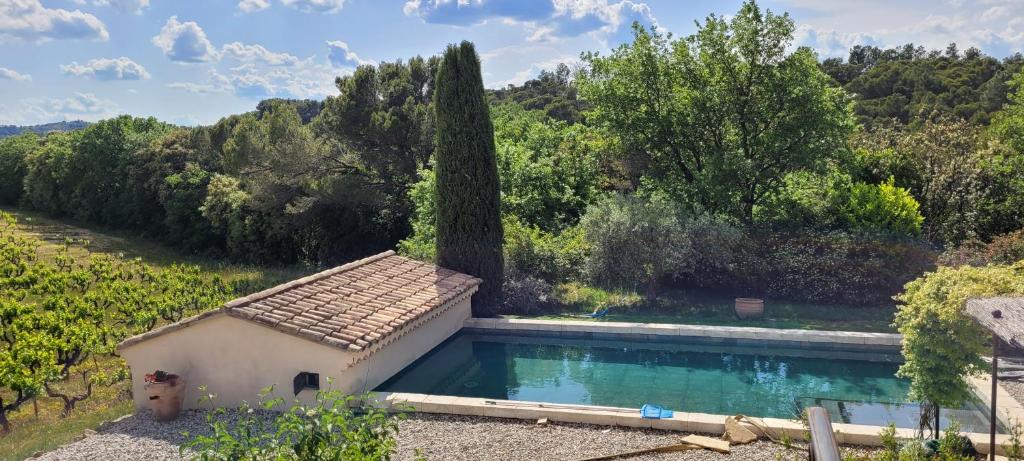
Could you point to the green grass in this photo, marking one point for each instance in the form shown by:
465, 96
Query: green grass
47, 429
45, 433
703, 308
54, 232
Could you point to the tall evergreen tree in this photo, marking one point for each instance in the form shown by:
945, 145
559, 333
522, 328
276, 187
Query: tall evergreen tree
469, 231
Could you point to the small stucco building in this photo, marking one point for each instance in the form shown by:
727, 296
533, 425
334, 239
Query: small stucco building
357, 324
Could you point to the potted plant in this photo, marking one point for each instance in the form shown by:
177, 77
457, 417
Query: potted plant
749, 308
166, 391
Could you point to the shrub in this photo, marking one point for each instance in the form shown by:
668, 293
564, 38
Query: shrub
941, 344
525, 294
1015, 446
333, 428
834, 268
634, 241
882, 208
544, 255
1003, 249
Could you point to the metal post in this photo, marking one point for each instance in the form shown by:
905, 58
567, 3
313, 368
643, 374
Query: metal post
995, 387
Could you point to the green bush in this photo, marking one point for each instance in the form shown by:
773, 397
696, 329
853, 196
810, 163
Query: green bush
941, 344
1003, 249
551, 257
634, 242
835, 202
336, 427
882, 208
834, 268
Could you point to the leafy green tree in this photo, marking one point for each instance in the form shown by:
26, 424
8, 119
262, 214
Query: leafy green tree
468, 202
1008, 124
101, 158
723, 114
552, 93
13, 165
548, 169
970, 186
942, 346
48, 179
379, 132
908, 83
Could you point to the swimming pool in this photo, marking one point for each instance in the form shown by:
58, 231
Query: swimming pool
858, 387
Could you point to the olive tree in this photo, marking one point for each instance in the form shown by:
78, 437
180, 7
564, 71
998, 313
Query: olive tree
724, 113
634, 241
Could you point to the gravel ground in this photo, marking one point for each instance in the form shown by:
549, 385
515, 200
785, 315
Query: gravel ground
437, 437
1015, 388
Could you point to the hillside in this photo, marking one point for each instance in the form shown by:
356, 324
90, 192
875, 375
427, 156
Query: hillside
12, 130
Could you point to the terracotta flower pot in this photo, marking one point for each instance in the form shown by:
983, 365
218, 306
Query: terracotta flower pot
749, 308
165, 398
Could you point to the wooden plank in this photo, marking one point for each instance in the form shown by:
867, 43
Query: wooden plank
823, 440
646, 451
709, 443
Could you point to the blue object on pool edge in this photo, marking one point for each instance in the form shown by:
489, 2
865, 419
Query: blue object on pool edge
598, 314
649, 411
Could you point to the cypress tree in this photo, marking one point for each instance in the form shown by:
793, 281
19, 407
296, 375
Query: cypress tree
469, 231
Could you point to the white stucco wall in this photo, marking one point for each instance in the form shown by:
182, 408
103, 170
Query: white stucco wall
236, 358
383, 364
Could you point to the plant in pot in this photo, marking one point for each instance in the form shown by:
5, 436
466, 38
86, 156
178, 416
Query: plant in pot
165, 391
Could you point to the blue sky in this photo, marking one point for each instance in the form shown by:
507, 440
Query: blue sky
194, 61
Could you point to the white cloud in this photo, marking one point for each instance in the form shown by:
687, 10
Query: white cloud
987, 24
29, 20
185, 42
127, 6
215, 83
107, 69
995, 13
253, 53
8, 74
544, 20
830, 43
306, 79
340, 55
249, 6
79, 106
316, 6
505, 65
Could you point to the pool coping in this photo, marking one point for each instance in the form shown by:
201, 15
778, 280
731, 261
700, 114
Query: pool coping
695, 331
852, 434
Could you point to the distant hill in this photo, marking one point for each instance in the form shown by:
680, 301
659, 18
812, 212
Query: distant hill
12, 130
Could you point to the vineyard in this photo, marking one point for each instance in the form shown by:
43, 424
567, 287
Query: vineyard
64, 306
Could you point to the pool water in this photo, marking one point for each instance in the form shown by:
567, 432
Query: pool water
856, 387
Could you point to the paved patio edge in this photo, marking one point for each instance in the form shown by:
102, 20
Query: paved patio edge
667, 329
852, 434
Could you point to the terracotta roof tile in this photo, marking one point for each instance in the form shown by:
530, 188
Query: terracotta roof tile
356, 305
351, 307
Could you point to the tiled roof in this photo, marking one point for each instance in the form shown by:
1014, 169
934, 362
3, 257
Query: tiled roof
351, 307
